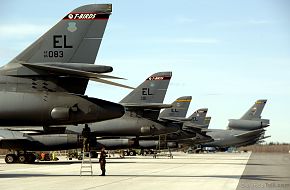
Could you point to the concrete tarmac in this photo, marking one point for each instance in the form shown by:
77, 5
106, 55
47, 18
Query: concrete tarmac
266, 171
185, 171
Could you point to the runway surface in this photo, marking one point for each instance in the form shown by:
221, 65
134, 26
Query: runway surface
185, 171
266, 171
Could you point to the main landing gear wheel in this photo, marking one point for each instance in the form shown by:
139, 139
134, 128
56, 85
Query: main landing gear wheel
22, 158
131, 153
10, 158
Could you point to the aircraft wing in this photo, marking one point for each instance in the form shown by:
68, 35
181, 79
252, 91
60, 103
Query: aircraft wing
16, 140
153, 106
250, 133
57, 70
174, 119
12, 139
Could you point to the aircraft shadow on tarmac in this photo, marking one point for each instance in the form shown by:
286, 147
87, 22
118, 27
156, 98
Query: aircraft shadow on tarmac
131, 162
247, 177
201, 163
206, 158
75, 162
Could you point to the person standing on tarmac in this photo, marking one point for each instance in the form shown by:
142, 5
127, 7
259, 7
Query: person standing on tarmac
102, 161
86, 138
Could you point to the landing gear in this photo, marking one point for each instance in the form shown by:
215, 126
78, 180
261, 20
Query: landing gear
24, 158
10, 158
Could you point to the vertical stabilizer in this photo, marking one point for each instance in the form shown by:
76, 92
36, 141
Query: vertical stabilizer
179, 108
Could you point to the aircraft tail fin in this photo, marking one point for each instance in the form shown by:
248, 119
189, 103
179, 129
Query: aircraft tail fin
148, 94
254, 113
152, 90
206, 122
75, 39
198, 116
179, 108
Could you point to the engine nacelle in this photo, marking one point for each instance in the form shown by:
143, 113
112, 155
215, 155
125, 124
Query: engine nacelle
59, 113
118, 143
42, 142
241, 124
145, 130
154, 143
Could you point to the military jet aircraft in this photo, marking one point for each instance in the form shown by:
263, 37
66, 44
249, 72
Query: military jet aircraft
45, 84
245, 131
141, 118
251, 119
232, 138
177, 111
190, 132
142, 106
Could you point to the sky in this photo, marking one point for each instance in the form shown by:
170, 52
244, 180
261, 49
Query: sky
225, 54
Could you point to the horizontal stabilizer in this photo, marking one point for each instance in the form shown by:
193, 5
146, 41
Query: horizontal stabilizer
174, 119
77, 66
67, 71
57, 70
192, 127
110, 83
250, 133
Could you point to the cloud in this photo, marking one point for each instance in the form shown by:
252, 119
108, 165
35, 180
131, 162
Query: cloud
21, 31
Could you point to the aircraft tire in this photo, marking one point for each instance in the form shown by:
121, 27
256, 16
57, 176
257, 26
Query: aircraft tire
10, 158
131, 153
22, 158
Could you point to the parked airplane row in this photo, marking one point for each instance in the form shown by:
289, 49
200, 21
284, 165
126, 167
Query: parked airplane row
43, 106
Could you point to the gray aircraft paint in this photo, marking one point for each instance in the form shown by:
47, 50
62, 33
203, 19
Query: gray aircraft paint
255, 111
32, 96
228, 138
197, 118
251, 120
206, 122
186, 135
62, 44
179, 108
152, 90
138, 120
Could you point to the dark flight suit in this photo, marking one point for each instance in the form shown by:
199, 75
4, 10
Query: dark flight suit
86, 138
102, 161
